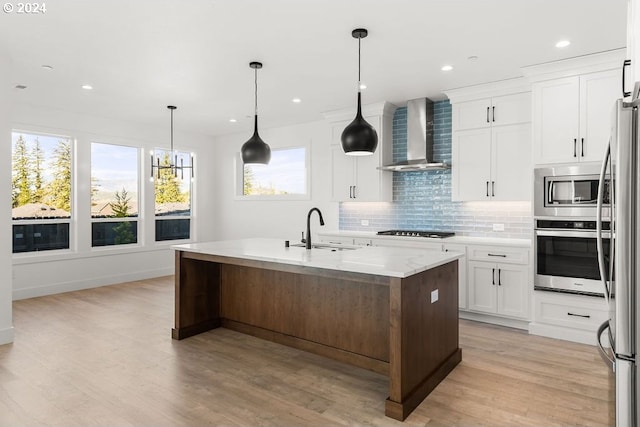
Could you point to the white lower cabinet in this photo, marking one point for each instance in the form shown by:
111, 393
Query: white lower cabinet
568, 317
499, 288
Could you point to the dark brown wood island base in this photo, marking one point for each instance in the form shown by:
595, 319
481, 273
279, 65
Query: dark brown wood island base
385, 324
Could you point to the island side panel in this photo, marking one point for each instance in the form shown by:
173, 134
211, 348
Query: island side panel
424, 336
197, 296
350, 315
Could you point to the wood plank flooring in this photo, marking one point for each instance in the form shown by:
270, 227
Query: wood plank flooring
105, 357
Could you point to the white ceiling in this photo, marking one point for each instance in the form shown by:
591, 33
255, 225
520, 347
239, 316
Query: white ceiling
142, 55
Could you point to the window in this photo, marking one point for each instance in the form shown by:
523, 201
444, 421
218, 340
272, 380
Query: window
286, 176
41, 179
172, 195
114, 194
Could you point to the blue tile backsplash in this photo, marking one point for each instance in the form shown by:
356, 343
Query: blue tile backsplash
422, 199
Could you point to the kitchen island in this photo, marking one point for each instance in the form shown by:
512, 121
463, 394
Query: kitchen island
390, 310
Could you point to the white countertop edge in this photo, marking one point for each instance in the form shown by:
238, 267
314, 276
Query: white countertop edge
375, 260
470, 240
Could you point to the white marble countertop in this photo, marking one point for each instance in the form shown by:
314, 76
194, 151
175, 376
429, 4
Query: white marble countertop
463, 240
377, 260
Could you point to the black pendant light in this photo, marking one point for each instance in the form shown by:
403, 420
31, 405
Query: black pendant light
359, 138
255, 150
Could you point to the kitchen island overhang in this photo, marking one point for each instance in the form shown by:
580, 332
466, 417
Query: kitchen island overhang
390, 310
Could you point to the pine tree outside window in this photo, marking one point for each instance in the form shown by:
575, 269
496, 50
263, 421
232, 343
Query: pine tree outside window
41, 197
172, 196
114, 194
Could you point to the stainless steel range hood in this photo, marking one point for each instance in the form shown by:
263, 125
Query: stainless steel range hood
419, 139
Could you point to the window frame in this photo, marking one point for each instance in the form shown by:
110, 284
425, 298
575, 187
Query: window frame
239, 177
139, 218
72, 219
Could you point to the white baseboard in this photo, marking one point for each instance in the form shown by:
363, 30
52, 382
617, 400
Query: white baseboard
6, 335
563, 333
495, 320
58, 288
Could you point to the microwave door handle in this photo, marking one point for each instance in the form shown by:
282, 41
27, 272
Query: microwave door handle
604, 275
550, 193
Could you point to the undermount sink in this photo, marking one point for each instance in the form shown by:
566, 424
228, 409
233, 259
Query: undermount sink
328, 247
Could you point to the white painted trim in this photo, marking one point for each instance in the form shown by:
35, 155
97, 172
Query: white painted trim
95, 282
488, 90
6, 335
495, 320
562, 333
596, 62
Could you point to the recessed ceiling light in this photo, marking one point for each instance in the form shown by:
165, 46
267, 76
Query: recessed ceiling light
296, 100
362, 86
232, 120
21, 87
446, 68
87, 87
47, 67
563, 43
472, 58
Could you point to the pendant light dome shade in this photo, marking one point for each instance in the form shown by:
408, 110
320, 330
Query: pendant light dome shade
359, 138
255, 150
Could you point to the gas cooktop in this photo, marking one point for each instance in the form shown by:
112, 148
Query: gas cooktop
416, 233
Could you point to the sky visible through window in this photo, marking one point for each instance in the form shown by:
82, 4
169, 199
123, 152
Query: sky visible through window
285, 174
114, 167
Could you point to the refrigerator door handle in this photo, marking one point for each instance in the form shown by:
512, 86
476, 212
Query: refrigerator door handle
609, 359
599, 243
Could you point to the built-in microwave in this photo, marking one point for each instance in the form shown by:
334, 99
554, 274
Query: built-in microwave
569, 191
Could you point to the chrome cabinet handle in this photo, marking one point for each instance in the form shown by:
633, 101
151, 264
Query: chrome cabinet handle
625, 64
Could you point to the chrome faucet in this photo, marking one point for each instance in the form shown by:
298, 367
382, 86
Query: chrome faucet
308, 238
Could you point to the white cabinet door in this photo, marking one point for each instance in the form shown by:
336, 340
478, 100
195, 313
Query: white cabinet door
482, 286
342, 175
511, 162
513, 291
511, 109
471, 164
598, 93
556, 118
472, 114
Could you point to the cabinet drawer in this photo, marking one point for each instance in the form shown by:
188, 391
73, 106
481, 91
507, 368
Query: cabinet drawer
573, 312
498, 254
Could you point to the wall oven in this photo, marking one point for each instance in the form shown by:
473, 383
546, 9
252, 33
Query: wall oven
566, 256
569, 191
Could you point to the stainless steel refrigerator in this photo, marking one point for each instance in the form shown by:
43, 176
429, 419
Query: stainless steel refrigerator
620, 265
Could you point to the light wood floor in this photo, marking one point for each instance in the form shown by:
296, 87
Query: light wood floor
105, 357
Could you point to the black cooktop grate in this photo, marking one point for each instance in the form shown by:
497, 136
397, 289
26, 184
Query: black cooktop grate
416, 233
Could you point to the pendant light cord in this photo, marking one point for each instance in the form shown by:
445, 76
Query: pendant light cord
172, 132
359, 39
256, 94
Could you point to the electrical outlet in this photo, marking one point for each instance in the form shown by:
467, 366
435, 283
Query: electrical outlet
434, 296
364, 222
498, 227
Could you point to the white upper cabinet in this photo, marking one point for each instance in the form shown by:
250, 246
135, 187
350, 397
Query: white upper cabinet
491, 141
357, 178
572, 104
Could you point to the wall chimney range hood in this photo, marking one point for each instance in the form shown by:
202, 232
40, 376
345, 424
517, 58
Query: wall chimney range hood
419, 139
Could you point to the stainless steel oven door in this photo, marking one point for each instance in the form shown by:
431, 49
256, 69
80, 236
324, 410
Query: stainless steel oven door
567, 261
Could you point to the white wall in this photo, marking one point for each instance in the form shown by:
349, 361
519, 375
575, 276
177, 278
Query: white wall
84, 267
6, 322
236, 218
